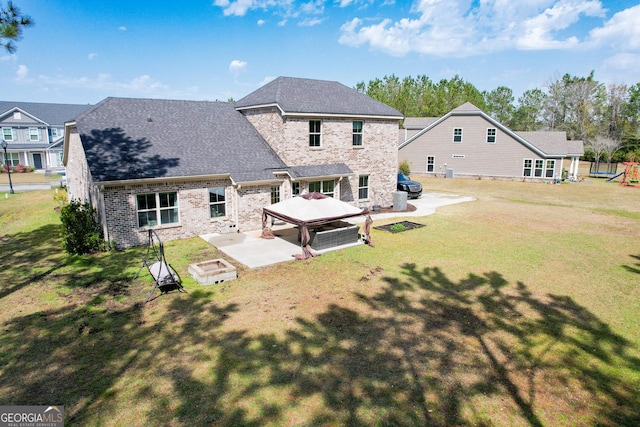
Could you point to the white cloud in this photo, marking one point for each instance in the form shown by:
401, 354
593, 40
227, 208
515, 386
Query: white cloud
261, 22
310, 22
22, 72
92, 56
237, 66
241, 7
621, 31
465, 28
315, 7
122, 28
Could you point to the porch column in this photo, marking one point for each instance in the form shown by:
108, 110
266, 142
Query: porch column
575, 168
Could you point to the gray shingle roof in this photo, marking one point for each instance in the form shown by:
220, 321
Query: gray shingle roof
308, 96
418, 122
126, 139
311, 171
553, 142
52, 114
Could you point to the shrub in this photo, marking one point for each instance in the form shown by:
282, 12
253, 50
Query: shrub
81, 232
404, 167
398, 227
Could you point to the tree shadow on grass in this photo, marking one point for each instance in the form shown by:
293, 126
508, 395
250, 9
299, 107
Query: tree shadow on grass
29, 256
423, 350
634, 268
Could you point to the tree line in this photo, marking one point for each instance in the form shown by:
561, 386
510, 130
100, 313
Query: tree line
605, 117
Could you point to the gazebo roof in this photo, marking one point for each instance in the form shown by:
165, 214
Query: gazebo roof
312, 209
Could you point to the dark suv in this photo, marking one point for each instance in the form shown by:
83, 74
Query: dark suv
413, 189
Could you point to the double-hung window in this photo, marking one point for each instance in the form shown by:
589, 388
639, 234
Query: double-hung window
217, 202
363, 187
539, 165
315, 133
431, 164
357, 133
324, 187
157, 208
275, 194
550, 169
457, 134
34, 134
527, 170
7, 134
295, 188
491, 136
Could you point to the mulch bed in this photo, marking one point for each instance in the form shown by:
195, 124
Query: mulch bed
389, 209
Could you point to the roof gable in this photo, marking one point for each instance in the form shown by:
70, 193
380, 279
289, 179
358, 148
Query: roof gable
127, 139
321, 97
49, 114
547, 143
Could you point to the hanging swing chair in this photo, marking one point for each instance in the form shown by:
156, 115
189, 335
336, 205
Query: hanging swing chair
165, 278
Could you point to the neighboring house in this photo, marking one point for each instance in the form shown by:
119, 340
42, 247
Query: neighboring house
468, 142
35, 132
187, 168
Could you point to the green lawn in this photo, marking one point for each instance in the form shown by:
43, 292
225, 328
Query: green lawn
520, 308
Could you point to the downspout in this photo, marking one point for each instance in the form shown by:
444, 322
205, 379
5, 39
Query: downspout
103, 216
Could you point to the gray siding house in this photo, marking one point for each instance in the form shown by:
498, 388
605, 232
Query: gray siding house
186, 168
468, 142
35, 132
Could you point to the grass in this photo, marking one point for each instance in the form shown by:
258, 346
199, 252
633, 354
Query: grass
29, 178
520, 308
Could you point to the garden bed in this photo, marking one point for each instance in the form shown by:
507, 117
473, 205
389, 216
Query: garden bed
397, 227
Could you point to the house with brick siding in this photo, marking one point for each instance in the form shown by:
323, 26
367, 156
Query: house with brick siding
186, 168
466, 142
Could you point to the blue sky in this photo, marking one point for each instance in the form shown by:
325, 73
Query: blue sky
82, 51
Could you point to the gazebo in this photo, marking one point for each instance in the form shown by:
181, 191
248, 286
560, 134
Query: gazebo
319, 219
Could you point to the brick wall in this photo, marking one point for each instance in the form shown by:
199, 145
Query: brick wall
377, 157
243, 211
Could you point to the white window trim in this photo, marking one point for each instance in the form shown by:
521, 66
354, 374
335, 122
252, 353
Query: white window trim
13, 134
524, 166
158, 210
366, 187
495, 135
217, 203
315, 133
454, 135
32, 133
361, 133
432, 164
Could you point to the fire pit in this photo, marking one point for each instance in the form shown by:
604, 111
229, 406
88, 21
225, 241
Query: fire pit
212, 271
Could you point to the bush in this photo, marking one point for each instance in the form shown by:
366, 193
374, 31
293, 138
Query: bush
81, 232
404, 167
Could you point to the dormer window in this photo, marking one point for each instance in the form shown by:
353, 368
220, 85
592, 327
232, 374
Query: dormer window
457, 134
315, 132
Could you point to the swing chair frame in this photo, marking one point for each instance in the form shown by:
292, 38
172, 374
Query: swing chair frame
165, 278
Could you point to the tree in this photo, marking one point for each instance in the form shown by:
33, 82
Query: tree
500, 104
528, 114
603, 146
11, 25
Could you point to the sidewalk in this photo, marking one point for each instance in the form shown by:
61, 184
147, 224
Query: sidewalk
250, 249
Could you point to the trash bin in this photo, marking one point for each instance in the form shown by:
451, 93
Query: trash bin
400, 201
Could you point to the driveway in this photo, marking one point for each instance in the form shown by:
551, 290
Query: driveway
250, 249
